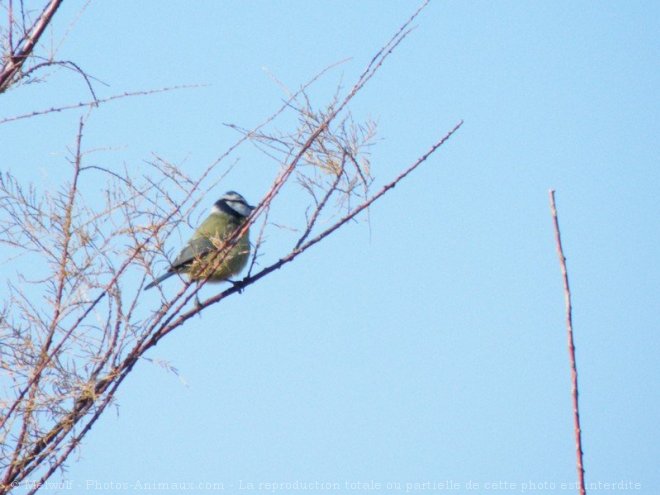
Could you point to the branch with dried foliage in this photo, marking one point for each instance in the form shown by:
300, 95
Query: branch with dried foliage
71, 335
571, 345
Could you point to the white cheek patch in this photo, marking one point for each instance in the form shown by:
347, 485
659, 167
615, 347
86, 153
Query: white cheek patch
240, 208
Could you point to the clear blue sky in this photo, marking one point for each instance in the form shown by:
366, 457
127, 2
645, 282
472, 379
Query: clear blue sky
429, 345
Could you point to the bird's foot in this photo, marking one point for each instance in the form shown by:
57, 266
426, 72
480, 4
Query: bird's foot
236, 283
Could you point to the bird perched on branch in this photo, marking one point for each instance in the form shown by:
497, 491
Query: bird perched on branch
204, 257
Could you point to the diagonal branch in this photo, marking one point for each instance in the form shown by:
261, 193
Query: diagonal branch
239, 286
16, 60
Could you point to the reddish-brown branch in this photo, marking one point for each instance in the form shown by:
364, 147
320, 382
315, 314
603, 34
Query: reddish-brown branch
16, 60
571, 345
44, 358
172, 322
94, 392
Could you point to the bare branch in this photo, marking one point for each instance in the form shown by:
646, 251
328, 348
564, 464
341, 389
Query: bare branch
97, 102
25, 46
571, 345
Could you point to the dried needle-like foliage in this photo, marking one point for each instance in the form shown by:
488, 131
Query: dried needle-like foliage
70, 336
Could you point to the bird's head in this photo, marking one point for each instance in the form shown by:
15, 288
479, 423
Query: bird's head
233, 204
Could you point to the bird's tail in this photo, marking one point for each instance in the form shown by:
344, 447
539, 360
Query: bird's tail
159, 280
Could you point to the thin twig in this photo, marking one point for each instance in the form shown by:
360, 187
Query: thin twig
571, 345
97, 102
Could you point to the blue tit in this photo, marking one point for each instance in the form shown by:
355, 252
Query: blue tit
199, 259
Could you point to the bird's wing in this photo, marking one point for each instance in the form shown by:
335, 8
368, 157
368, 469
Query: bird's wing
194, 250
